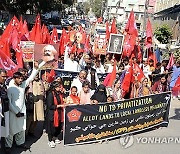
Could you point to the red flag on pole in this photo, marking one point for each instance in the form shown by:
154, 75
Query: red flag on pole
171, 62
45, 35
113, 27
131, 27
51, 75
54, 37
107, 31
7, 64
131, 35
113, 76
149, 34
63, 42
126, 81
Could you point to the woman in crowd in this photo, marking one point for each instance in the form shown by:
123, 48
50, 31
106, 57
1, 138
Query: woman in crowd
117, 91
144, 89
99, 95
54, 104
73, 98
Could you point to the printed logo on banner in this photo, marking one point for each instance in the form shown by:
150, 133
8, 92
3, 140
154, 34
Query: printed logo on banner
74, 115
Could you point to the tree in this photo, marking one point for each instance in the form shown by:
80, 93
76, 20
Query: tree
96, 7
163, 34
35, 6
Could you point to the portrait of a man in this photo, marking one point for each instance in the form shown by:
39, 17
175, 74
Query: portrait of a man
115, 43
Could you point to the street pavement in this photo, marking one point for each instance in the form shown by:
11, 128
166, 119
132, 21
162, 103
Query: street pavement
140, 145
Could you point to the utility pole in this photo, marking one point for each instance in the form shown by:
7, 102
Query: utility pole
145, 15
144, 27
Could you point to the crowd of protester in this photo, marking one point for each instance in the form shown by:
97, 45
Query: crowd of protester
29, 98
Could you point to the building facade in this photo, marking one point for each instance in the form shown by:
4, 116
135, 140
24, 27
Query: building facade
121, 10
168, 12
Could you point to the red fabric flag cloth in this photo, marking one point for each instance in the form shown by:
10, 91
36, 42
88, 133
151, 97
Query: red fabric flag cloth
131, 27
171, 62
14, 39
7, 64
63, 42
36, 33
25, 30
87, 45
7, 32
126, 81
138, 72
45, 35
5, 48
113, 76
152, 55
130, 36
128, 46
99, 20
137, 52
113, 27
54, 37
19, 58
107, 31
176, 88
149, 35
38, 36
110, 78
51, 76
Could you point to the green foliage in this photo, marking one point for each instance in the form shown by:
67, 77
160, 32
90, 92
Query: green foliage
35, 6
96, 7
163, 34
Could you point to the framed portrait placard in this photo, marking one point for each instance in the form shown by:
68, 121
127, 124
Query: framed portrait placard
41, 50
115, 43
100, 46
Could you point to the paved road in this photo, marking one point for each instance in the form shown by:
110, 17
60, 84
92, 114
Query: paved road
39, 145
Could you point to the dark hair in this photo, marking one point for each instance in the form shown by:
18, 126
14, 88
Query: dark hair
56, 84
22, 70
74, 87
158, 64
86, 83
2, 70
17, 75
151, 60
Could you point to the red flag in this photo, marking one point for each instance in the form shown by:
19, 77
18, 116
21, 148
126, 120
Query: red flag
138, 72
113, 27
38, 36
176, 88
149, 34
107, 31
63, 42
7, 32
45, 35
51, 75
7, 64
36, 33
171, 62
87, 45
130, 37
25, 30
113, 76
152, 55
126, 81
5, 48
54, 37
99, 20
14, 39
131, 27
